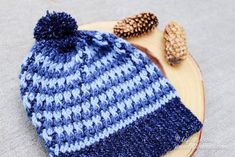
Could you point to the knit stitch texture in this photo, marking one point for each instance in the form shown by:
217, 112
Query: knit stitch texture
90, 93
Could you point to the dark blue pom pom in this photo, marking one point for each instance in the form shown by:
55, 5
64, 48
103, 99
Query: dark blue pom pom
64, 45
55, 26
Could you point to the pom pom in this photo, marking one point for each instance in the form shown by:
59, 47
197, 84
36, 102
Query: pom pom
55, 26
65, 45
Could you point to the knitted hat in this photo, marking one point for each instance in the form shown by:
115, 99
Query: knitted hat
90, 93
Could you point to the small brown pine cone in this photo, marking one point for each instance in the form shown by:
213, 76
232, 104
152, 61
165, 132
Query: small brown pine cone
176, 49
136, 25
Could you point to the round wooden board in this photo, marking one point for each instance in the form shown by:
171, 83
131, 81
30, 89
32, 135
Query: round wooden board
186, 78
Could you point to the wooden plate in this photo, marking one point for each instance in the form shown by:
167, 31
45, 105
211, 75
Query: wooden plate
186, 78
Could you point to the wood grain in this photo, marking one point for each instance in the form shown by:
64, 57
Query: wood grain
186, 78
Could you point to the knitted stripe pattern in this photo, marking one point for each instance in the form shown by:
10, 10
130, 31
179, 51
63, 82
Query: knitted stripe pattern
102, 97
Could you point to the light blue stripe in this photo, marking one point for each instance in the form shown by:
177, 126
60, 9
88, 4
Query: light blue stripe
71, 77
64, 67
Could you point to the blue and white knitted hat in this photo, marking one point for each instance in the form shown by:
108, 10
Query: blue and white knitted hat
90, 93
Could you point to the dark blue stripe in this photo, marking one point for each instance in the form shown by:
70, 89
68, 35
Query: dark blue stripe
152, 135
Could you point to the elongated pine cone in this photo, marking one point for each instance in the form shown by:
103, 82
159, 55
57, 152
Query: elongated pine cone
136, 25
176, 49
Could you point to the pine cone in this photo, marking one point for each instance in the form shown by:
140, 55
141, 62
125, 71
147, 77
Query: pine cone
176, 49
136, 25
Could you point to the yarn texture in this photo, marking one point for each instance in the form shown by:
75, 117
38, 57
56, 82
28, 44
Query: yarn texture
99, 96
